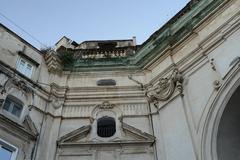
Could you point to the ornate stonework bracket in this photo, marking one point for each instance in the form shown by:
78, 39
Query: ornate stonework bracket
52, 61
165, 87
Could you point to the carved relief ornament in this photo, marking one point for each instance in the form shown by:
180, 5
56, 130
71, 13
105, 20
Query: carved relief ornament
165, 87
21, 85
106, 105
56, 103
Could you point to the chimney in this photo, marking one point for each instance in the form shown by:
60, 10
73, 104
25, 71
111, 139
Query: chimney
134, 41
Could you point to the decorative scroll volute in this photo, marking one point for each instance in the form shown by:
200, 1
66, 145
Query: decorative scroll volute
165, 87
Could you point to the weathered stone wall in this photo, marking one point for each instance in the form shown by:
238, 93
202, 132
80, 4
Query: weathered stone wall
65, 106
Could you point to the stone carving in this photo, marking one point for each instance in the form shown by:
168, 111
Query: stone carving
165, 87
56, 103
217, 84
105, 105
21, 85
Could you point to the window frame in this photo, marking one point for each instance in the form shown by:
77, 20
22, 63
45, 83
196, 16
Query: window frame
24, 69
9, 147
13, 102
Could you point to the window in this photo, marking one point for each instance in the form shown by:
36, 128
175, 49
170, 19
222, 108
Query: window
106, 82
106, 127
7, 151
13, 107
25, 68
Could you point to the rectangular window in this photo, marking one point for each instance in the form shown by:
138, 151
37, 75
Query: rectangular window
12, 107
25, 68
7, 151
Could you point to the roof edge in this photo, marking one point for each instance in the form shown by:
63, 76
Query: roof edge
20, 38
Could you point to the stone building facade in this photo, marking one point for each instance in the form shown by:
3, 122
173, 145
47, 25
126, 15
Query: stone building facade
174, 97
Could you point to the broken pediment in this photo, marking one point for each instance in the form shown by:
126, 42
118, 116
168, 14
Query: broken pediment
25, 130
131, 135
136, 134
29, 125
75, 136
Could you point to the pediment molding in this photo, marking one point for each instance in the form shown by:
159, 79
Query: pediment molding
25, 130
78, 133
74, 137
29, 125
137, 132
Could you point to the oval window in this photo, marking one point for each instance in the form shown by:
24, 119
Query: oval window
106, 82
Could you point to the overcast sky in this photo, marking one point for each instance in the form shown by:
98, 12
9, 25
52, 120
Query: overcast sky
80, 20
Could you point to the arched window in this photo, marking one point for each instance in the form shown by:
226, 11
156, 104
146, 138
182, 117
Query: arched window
106, 127
13, 106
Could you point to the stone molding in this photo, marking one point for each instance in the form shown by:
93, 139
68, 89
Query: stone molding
74, 138
25, 130
128, 109
70, 137
209, 125
29, 125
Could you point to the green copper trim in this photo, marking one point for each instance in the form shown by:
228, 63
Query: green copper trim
180, 26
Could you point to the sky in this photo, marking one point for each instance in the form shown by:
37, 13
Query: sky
46, 21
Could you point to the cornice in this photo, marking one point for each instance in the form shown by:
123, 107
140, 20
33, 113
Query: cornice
206, 46
171, 34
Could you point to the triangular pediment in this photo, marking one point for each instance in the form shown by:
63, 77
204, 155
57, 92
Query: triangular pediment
130, 135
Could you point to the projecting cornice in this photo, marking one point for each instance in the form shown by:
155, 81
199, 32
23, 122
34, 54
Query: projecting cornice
172, 33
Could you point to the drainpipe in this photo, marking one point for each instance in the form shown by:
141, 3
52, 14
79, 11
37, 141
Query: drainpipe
40, 132
149, 115
65, 96
152, 128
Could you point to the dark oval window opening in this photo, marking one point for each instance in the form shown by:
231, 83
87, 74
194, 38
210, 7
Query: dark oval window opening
106, 127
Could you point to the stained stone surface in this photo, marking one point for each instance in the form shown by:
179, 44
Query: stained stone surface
167, 96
